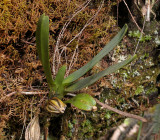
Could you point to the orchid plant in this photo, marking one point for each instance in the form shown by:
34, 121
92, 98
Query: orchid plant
60, 86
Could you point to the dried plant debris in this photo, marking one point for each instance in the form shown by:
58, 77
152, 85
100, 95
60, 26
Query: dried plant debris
33, 129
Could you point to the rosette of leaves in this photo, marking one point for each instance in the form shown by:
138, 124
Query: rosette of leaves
60, 86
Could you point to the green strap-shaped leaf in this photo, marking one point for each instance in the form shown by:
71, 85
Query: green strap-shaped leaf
83, 101
42, 40
59, 87
91, 79
60, 76
77, 74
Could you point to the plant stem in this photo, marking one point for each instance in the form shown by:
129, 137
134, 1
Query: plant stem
139, 132
121, 112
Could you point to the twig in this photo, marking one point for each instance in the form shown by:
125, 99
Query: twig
132, 16
78, 36
56, 52
60, 54
117, 12
88, 22
8, 95
32, 93
30, 43
121, 112
140, 37
23, 92
73, 60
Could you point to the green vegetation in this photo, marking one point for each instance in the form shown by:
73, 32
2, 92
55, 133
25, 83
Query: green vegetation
138, 36
60, 86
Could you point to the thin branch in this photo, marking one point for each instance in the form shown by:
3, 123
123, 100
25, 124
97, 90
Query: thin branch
73, 60
32, 93
121, 112
56, 52
88, 22
8, 95
140, 37
132, 16
23, 92
59, 56
30, 43
78, 36
117, 12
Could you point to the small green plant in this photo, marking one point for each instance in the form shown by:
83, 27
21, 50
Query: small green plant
137, 35
139, 90
60, 86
